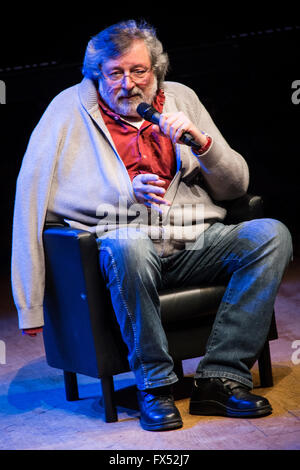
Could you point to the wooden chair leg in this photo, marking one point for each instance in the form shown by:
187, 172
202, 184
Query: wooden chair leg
265, 367
71, 386
108, 391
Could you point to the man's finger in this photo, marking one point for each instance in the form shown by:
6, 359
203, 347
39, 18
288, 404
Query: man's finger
148, 188
149, 177
153, 198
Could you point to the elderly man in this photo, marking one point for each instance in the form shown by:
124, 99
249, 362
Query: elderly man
92, 160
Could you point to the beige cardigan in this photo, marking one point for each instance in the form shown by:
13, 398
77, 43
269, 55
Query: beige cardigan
72, 170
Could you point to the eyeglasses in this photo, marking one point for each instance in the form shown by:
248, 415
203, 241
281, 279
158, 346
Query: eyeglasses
117, 76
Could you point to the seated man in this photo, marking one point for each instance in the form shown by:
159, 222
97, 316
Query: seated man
154, 206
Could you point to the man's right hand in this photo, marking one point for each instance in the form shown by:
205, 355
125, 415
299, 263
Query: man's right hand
148, 190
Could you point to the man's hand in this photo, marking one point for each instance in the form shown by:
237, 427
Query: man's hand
173, 125
148, 190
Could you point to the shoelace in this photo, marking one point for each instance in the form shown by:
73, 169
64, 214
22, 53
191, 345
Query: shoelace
232, 385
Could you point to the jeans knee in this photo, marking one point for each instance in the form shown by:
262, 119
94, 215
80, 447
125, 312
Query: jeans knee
272, 233
284, 240
280, 235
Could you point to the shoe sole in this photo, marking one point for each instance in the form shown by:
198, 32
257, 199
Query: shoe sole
162, 427
213, 408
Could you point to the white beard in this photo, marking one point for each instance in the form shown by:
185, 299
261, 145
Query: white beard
126, 107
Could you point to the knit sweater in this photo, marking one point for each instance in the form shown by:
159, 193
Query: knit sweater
72, 171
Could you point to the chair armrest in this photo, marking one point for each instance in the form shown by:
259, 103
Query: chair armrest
244, 208
78, 312
61, 242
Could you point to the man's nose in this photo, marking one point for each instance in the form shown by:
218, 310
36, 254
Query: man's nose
127, 82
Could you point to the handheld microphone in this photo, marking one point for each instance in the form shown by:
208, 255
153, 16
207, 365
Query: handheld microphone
147, 112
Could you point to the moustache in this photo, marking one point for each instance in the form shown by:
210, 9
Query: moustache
129, 94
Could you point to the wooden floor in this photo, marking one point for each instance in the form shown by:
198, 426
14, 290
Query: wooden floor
35, 415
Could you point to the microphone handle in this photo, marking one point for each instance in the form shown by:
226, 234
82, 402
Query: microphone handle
186, 138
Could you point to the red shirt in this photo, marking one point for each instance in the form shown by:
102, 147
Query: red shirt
142, 150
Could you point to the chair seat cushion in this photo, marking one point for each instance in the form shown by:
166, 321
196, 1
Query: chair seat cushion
189, 303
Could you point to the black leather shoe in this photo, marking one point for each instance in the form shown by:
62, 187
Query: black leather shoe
224, 397
158, 410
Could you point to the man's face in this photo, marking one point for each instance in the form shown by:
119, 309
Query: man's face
128, 80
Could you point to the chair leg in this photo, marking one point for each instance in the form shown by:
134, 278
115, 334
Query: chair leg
178, 369
71, 386
108, 391
265, 367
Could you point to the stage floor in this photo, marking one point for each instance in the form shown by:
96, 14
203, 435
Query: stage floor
34, 413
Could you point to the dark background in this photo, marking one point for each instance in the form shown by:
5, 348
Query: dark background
241, 62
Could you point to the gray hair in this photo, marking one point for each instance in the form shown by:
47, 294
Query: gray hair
117, 40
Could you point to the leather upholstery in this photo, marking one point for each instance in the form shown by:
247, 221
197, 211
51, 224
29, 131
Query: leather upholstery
194, 301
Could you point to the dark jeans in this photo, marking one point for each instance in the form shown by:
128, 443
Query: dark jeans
250, 257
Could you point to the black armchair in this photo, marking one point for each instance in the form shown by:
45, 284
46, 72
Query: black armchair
81, 334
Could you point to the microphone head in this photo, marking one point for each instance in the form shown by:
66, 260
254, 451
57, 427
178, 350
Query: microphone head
145, 110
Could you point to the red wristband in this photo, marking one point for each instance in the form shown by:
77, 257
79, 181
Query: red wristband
32, 331
204, 148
